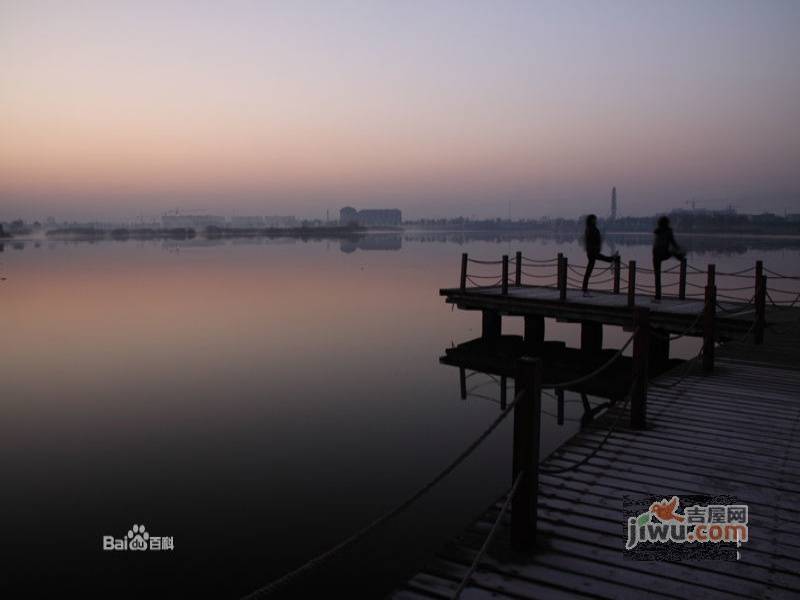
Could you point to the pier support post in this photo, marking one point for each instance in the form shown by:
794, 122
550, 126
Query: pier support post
534, 334
503, 392
463, 280
462, 382
504, 283
617, 272
527, 415
518, 271
659, 352
760, 302
761, 310
491, 325
591, 337
631, 283
641, 341
558, 269
562, 288
682, 281
560, 405
709, 318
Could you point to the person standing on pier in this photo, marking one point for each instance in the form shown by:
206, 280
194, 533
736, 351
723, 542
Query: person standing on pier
593, 242
664, 247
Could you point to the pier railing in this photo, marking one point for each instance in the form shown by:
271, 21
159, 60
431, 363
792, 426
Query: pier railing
749, 286
681, 280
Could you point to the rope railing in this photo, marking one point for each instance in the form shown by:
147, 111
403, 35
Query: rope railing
558, 273
541, 261
487, 542
783, 303
592, 374
777, 275
284, 580
677, 336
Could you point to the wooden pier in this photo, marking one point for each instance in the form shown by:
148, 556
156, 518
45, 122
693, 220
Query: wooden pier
726, 422
733, 430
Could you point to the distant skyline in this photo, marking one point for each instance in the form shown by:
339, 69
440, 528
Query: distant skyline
113, 109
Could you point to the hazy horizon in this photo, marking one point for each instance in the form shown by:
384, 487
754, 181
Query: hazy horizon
114, 110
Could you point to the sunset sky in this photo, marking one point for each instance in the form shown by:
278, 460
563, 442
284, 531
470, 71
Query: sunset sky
112, 109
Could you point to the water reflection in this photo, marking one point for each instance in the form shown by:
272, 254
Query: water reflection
259, 400
372, 242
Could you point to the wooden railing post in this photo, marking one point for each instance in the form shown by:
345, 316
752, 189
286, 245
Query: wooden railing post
709, 319
759, 273
617, 273
504, 283
562, 292
527, 414
641, 354
518, 274
761, 310
559, 270
462, 382
463, 281
631, 283
682, 282
560, 407
760, 300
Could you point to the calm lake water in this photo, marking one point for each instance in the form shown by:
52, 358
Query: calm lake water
257, 401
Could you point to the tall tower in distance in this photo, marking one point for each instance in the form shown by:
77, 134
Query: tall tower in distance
613, 215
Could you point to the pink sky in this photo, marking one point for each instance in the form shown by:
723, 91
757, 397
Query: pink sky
124, 108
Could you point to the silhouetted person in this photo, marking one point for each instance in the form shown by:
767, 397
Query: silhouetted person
664, 247
593, 242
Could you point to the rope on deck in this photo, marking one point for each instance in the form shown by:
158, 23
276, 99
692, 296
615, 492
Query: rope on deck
597, 448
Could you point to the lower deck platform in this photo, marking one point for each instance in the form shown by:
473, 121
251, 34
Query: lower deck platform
735, 431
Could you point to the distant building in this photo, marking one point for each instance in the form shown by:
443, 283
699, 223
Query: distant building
196, 222
278, 222
371, 217
348, 216
247, 222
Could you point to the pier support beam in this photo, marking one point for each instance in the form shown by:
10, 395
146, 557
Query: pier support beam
527, 415
641, 352
709, 319
631, 283
491, 325
534, 334
591, 337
